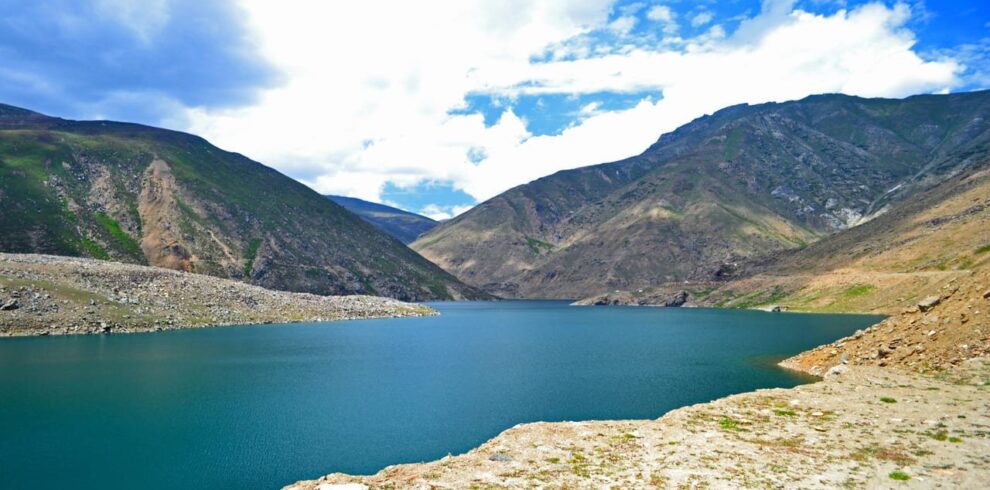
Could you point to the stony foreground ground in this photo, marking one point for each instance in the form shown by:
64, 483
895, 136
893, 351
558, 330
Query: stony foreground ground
863, 427
48, 295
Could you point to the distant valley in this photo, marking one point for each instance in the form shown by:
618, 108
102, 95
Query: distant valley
403, 225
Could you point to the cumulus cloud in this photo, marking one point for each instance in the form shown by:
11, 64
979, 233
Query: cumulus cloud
371, 99
701, 18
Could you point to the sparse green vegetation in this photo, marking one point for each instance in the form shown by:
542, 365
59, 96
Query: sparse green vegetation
857, 290
887, 399
899, 476
249, 255
537, 247
730, 424
982, 250
785, 413
94, 249
124, 240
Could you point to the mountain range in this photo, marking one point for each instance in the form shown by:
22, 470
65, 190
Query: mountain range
747, 182
403, 225
143, 195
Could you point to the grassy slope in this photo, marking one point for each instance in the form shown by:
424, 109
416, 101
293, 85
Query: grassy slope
74, 188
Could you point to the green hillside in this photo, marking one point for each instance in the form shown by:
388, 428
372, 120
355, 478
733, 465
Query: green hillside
144, 195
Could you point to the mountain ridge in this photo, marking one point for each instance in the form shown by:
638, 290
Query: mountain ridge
144, 195
726, 187
403, 225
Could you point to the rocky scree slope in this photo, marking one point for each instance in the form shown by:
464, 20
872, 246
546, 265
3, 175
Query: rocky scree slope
143, 195
740, 183
937, 238
51, 295
403, 225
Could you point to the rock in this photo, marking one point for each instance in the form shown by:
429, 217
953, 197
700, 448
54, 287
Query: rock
502, 458
10, 305
836, 371
775, 309
986, 295
929, 303
677, 299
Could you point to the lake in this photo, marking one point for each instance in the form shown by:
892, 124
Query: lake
264, 406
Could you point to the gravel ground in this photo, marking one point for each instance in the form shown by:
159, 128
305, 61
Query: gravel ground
49, 295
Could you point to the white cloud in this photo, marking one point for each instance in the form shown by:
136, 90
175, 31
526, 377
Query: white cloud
440, 213
368, 95
660, 13
701, 19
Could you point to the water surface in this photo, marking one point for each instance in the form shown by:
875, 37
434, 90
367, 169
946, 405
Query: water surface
263, 406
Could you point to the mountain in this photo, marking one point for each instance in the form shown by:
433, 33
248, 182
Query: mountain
144, 195
933, 242
744, 182
403, 225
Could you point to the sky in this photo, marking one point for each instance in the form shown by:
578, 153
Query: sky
436, 106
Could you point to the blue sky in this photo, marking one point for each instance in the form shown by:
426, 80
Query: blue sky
434, 110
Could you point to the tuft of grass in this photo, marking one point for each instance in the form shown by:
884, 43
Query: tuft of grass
899, 476
955, 439
982, 250
887, 399
729, 424
785, 413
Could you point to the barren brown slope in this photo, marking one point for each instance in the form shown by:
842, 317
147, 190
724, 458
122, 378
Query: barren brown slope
137, 194
725, 188
883, 266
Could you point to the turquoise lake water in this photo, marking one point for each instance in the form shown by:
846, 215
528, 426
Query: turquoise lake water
264, 406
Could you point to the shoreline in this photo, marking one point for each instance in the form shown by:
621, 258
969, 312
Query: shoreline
908, 397
799, 437
43, 295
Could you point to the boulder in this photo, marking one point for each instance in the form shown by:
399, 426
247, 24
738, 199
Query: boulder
836, 371
677, 299
11, 304
929, 303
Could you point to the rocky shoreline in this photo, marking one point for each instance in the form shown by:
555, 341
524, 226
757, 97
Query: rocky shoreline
904, 403
862, 427
52, 295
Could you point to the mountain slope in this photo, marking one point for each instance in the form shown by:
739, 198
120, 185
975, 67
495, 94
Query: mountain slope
740, 183
403, 225
924, 245
144, 195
